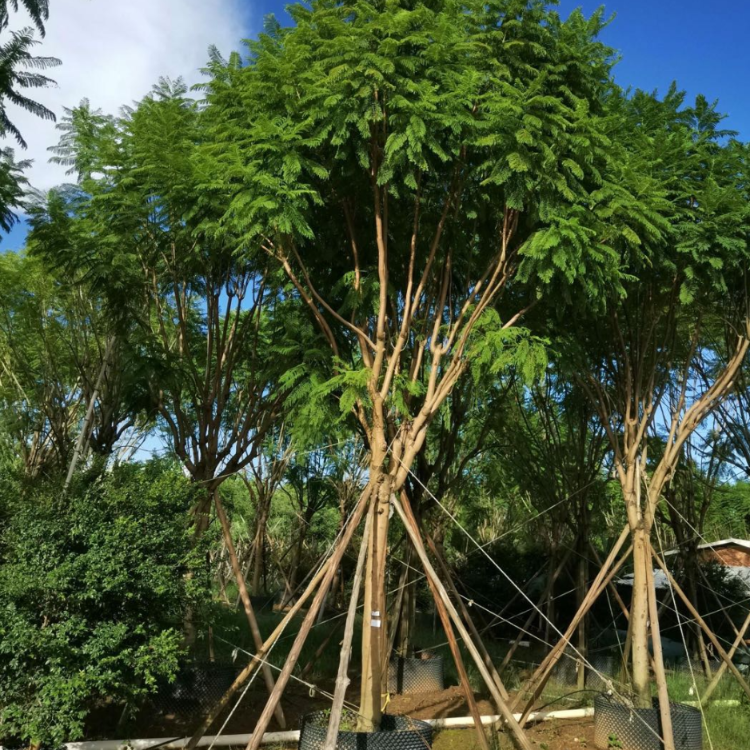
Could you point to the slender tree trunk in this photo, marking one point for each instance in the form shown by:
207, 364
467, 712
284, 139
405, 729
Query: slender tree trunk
639, 620
259, 558
342, 678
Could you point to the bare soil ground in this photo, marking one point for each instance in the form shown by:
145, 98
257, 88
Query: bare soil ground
558, 735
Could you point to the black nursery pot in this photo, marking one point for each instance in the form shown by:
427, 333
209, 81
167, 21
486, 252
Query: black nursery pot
395, 733
640, 728
415, 675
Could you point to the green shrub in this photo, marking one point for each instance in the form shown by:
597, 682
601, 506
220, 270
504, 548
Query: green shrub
94, 589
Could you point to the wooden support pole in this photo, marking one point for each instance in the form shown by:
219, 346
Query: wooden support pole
319, 651
307, 623
245, 596
342, 678
665, 710
448, 579
535, 684
257, 658
463, 676
709, 633
723, 668
407, 517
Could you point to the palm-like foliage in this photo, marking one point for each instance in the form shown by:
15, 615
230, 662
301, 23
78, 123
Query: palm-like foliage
12, 184
18, 71
38, 10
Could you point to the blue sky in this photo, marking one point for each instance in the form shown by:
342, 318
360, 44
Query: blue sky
704, 50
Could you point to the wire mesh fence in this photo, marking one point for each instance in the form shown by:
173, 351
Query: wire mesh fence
422, 675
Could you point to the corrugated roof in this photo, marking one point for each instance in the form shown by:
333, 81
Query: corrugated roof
660, 580
744, 543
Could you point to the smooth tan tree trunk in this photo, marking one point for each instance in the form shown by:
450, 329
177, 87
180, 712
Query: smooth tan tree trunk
639, 620
259, 559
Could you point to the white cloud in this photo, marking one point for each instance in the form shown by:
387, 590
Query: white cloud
113, 51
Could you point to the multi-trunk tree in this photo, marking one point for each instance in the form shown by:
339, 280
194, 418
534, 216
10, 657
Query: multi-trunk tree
641, 357
407, 168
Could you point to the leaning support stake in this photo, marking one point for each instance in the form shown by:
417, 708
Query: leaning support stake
459, 662
448, 578
708, 692
701, 622
342, 679
411, 528
257, 659
665, 709
535, 684
307, 623
245, 596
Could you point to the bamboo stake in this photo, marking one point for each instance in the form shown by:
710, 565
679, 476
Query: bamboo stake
256, 662
245, 596
448, 578
463, 676
342, 679
307, 623
541, 675
410, 524
319, 651
665, 710
723, 668
709, 633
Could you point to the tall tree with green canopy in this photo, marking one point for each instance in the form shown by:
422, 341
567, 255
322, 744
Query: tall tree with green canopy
642, 357
408, 165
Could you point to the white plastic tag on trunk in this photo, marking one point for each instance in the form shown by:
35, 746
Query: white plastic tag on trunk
375, 623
